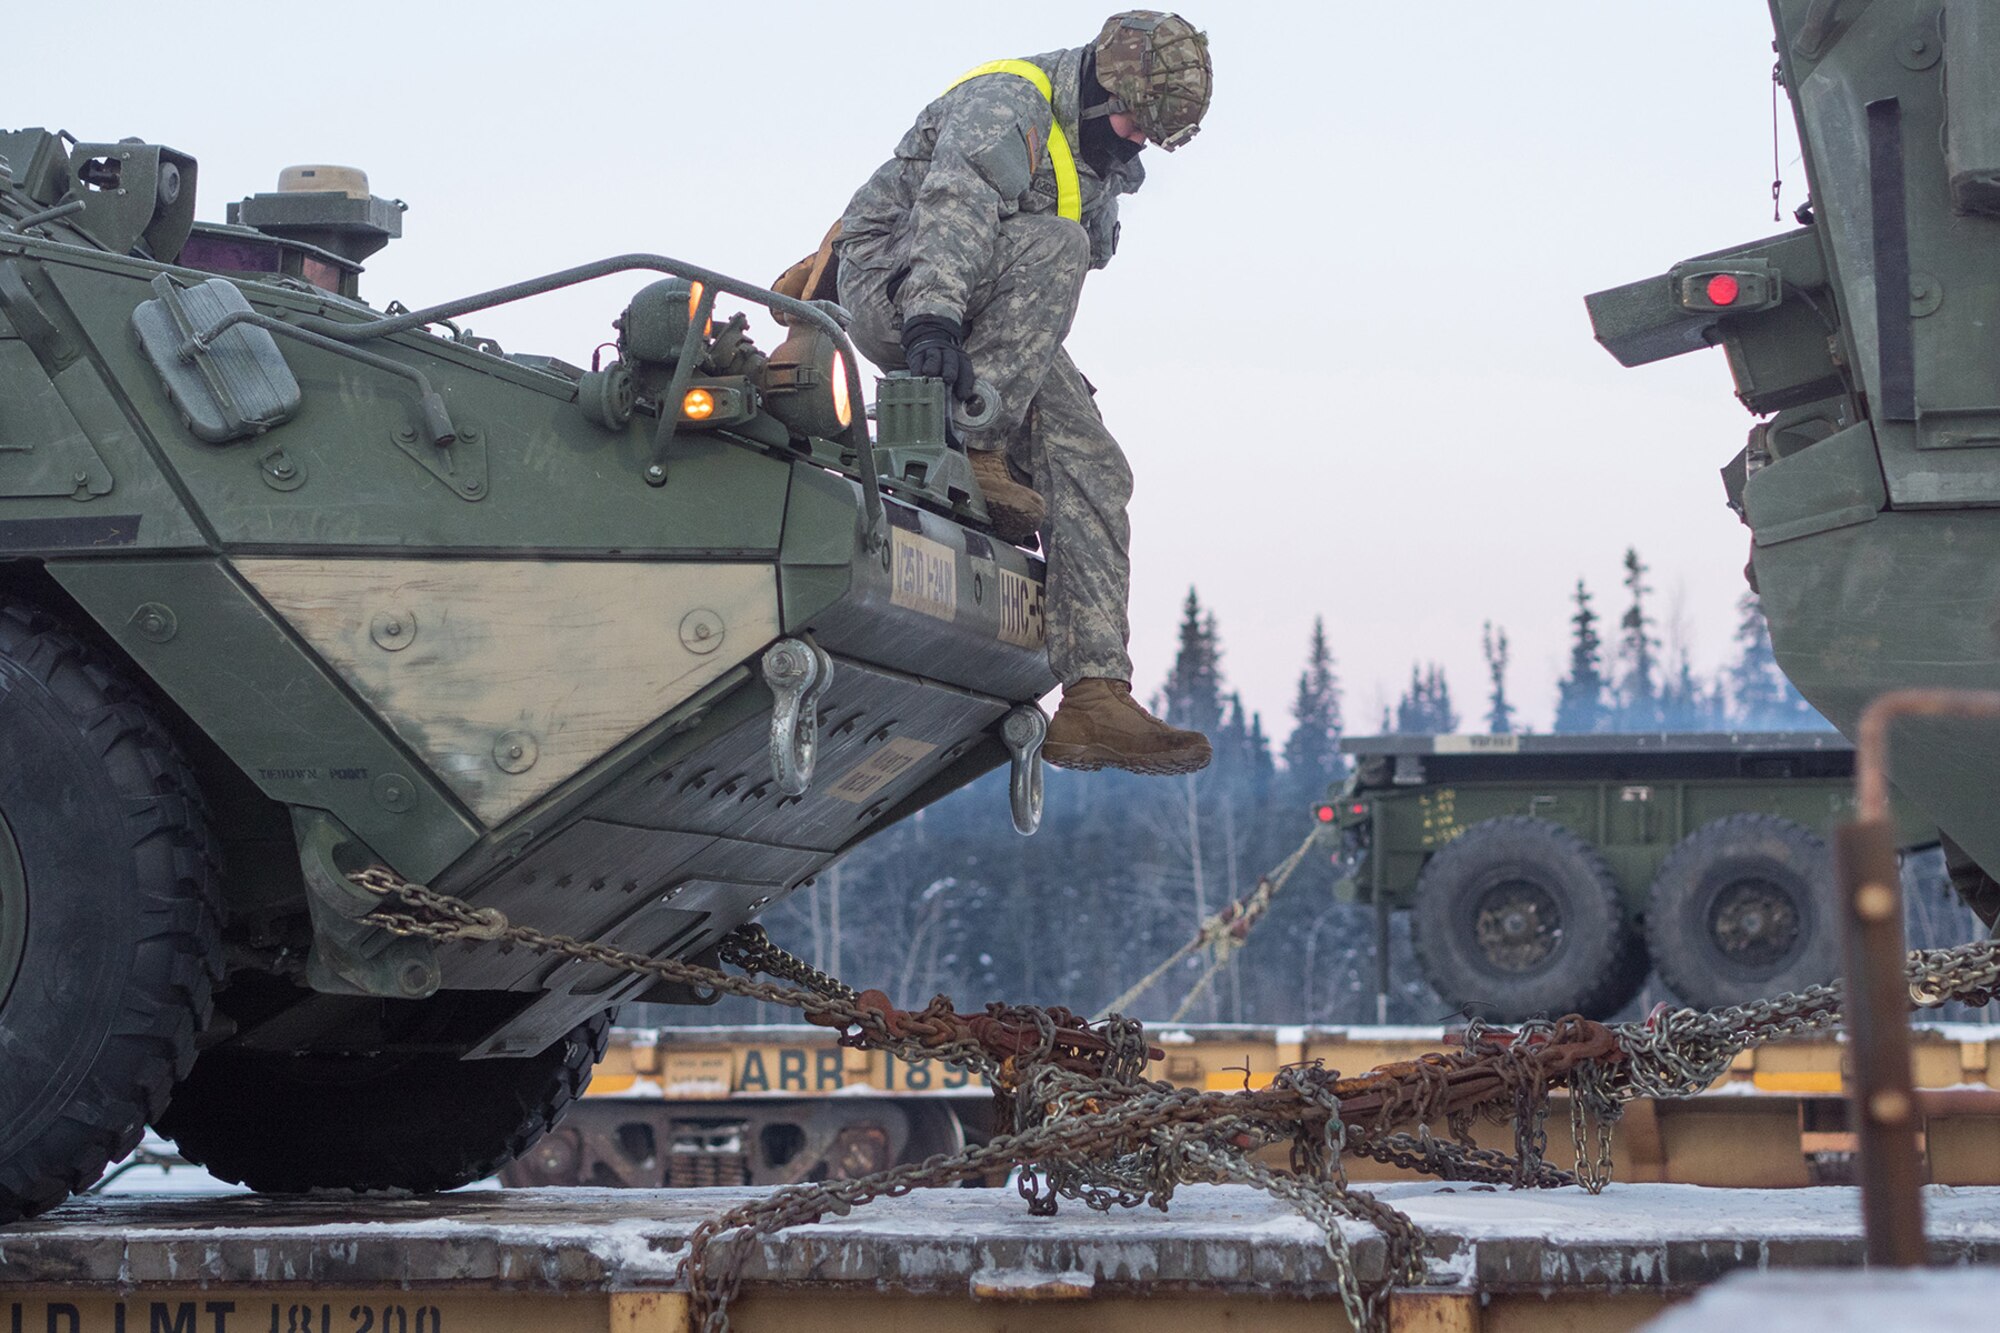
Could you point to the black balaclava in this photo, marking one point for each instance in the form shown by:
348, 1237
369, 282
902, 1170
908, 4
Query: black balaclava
1102, 151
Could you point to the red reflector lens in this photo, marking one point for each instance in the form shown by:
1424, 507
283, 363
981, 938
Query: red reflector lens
1324, 814
1723, 289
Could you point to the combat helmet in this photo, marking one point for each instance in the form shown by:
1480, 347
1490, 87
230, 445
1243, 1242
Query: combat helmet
1155, 66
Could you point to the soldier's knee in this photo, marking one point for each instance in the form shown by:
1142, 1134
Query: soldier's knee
1056, 244
1072, 246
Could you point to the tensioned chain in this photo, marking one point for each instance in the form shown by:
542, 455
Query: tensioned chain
446, 918
1081, 1121
748, 947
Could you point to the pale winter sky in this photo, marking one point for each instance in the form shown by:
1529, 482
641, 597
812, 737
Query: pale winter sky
1343, 342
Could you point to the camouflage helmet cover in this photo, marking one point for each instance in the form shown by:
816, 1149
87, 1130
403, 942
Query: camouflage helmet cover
1155, 66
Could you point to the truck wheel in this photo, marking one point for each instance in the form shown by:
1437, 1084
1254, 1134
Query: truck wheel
285, 1124
110, 914
1517, 918
1742, 910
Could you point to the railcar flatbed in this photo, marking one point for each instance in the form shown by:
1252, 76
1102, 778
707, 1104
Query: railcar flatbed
1224, 1257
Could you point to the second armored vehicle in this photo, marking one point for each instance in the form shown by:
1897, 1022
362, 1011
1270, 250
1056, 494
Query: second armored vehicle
1864, 341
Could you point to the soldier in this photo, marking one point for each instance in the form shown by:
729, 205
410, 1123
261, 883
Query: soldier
963, 257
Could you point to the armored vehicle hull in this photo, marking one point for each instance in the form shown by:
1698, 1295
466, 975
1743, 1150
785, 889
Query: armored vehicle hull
1864, 340
291, 588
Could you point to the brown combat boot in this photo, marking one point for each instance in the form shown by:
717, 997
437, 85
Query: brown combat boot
1017, 512
1100, 726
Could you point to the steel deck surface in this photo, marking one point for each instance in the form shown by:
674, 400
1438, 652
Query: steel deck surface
1216, 1238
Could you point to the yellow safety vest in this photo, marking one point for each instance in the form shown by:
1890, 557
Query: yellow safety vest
1069, 194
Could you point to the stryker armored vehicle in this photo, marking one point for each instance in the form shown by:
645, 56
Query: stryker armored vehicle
1547, 875
293, 588
1867, 341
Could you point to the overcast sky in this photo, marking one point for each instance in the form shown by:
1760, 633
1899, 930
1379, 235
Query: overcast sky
1343, 342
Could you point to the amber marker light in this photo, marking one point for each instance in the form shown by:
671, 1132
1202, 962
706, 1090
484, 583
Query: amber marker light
695, 290
698, 405
842, 408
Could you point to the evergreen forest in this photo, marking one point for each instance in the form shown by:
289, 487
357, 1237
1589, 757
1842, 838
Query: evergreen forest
1125, 869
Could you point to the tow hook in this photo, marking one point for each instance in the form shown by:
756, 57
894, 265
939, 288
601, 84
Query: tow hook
798, 674
1023, 731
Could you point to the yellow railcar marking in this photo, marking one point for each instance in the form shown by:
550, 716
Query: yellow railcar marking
304, 1310
1796, 1080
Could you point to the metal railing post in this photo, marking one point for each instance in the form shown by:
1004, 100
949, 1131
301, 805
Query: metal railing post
1877, 999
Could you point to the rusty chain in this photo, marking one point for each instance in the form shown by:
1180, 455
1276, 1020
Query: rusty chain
1080, 1120
749, 948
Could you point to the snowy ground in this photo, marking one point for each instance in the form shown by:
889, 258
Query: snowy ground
144, 1172
1842, 1301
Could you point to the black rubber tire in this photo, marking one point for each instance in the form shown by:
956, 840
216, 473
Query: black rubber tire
1731, 867
123, 943
285, 1124
1587, 957
1622, 981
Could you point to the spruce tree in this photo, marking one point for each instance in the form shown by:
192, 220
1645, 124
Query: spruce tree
1755, 689
1425, 708
1312, 752
1194, 686
1444, 718
1499, 713
1580, 703
1639, 691
1233, 756
1413, 711
1762, 697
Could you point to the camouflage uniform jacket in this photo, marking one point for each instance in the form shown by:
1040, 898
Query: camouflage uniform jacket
976, 155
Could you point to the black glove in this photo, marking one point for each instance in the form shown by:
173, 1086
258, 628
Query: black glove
933, 346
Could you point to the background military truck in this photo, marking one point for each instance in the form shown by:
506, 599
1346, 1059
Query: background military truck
1549, 874
293, 589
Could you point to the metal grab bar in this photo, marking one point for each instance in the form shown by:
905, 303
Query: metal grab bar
823, 314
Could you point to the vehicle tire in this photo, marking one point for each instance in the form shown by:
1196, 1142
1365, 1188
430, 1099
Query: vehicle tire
1742, 909
110, 914
1519, 918
1622, 981
285, 1124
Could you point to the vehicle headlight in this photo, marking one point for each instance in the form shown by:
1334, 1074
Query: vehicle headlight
804, 384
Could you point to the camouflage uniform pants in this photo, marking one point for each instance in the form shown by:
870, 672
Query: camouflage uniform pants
1018, 316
